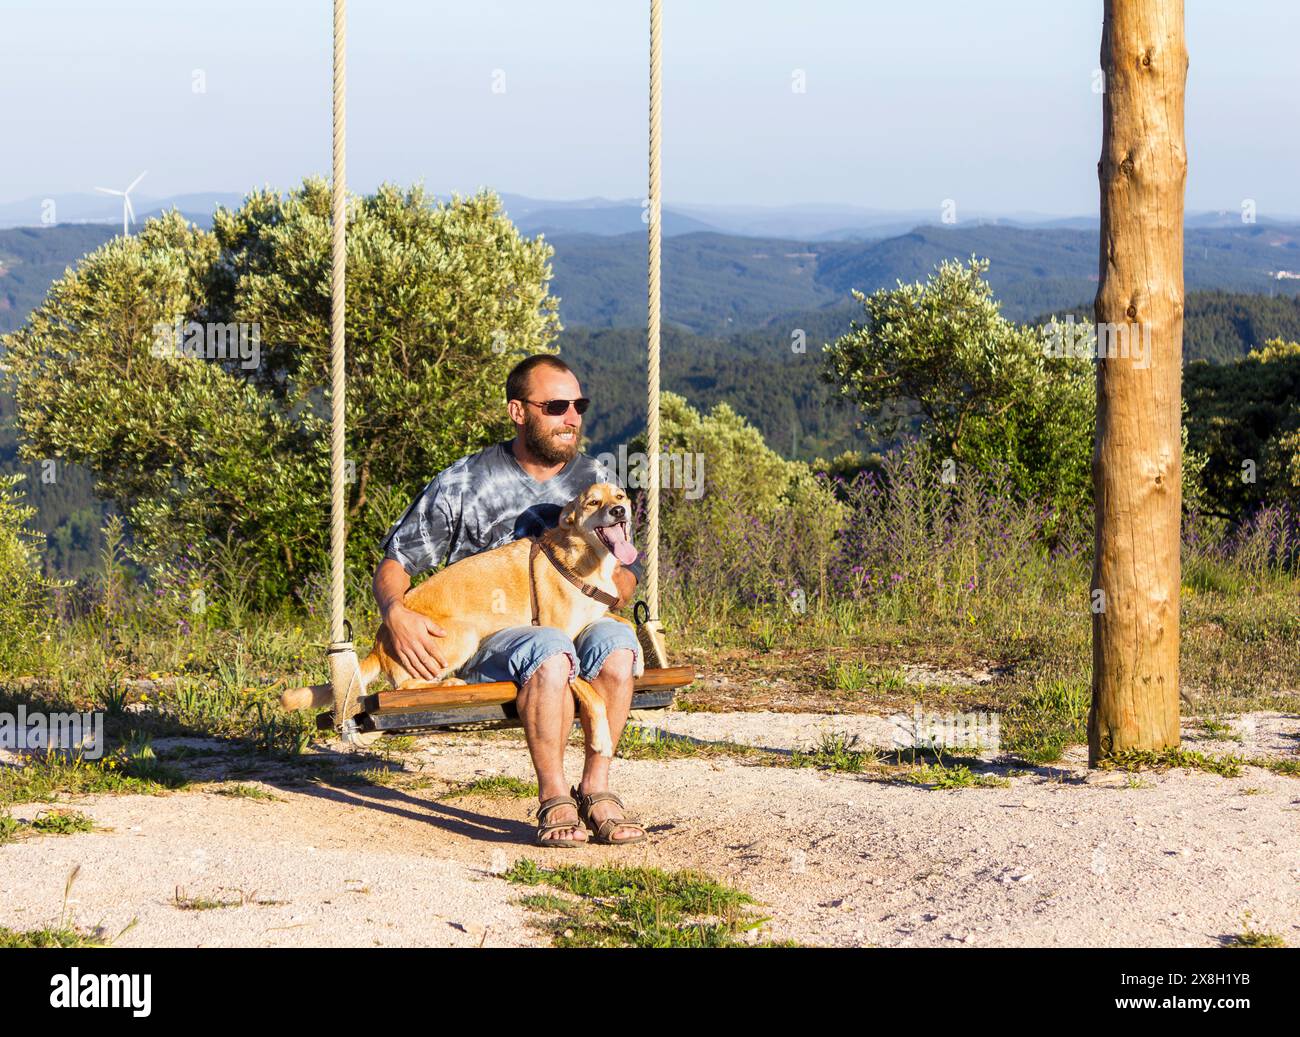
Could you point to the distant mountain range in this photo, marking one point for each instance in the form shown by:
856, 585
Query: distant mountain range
105, 208
718, 284
606, 217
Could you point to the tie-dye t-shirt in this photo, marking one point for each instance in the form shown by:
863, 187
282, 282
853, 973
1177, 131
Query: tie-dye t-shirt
483, 501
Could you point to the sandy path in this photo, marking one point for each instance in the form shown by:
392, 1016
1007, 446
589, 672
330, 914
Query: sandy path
1058, 858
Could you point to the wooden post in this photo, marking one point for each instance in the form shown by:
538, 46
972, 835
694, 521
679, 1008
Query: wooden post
1137, 458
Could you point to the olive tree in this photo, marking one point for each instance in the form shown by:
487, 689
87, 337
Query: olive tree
187, 369
938, 359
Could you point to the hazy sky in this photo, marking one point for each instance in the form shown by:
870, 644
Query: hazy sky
988, 103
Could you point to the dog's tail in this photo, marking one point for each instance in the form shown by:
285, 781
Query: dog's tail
318, 696
592, 706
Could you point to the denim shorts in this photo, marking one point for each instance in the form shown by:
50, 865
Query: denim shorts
514, 653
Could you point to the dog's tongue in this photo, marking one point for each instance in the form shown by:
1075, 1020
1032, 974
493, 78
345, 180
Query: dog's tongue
620, 545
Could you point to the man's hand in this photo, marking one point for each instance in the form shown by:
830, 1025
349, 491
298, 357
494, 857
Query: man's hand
413, 637
412, 634
625, 581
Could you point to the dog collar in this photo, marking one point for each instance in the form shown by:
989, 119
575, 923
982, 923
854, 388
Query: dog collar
539, 547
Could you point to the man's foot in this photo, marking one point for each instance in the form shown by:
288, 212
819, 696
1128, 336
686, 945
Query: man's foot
558, 823
607, 808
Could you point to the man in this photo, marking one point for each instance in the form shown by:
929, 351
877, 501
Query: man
502, 493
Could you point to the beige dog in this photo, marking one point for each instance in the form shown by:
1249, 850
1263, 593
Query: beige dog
515, 585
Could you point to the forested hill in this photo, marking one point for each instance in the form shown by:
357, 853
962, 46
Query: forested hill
759, 373
31, 258
1222, 326
716, 283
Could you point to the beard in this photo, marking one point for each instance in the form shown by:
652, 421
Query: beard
547, 445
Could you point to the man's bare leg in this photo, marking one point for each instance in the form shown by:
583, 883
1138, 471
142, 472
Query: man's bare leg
545, 704
614, 685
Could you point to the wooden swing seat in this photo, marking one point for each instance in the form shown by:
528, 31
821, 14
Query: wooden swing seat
450, 704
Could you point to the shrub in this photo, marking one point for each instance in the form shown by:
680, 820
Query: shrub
762, 525
23, 615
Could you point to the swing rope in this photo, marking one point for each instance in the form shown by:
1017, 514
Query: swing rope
338, 272
652, 324
345, 673
650, 632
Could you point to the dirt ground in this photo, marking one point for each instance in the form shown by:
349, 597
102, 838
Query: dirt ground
1059, 857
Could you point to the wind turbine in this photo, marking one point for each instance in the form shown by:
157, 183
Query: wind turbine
127, 212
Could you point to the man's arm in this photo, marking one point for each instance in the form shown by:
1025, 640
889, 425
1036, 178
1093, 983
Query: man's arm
391, 584
416, 543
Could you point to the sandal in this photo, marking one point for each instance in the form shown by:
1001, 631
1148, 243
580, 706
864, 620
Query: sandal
601, 831
544, 826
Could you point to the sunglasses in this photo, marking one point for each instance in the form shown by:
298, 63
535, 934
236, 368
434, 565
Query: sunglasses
557, 407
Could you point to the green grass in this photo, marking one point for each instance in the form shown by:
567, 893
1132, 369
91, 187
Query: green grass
238, 791
765, 633
1249, 937
619, 906
274, 731
858, 675
62, 936
185, 902
498, 786
551, 903
1289, 768
202, 903
386, 776
43, 777
1164, 759
1050, 717
836, 752
1218, 730
59, 933
61, 822
938, 776
641, 743
47, 823
682, 703
113, 698
398, 743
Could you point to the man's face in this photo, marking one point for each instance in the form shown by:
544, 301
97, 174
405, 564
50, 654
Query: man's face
553, 439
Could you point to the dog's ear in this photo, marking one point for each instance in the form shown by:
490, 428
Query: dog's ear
569, 516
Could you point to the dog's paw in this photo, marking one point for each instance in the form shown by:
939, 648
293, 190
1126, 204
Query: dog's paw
452, 680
